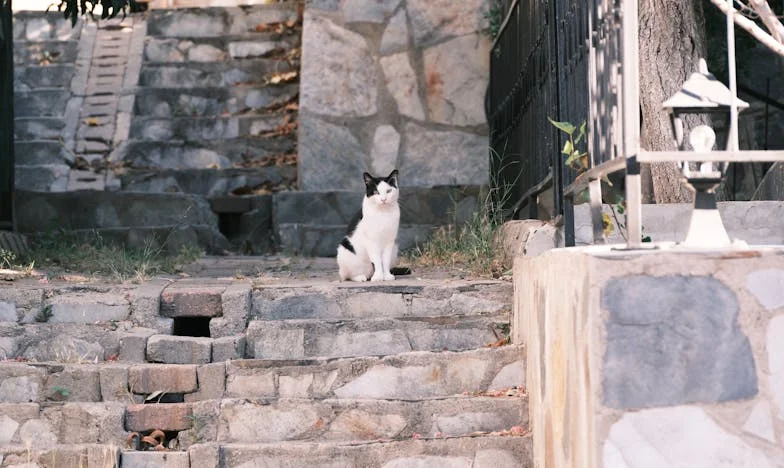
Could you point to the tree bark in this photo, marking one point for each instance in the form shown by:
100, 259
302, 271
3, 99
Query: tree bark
672, 39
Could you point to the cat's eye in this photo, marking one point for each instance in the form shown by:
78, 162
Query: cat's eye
389, 190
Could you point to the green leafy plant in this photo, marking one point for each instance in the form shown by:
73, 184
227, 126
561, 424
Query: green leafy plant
7, 259
11, 261
44, 314
494, 15
576, 159
60, 393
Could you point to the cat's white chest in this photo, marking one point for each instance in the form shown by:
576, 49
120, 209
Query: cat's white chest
380, 223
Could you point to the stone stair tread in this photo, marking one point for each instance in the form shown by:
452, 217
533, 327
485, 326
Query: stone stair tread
155, 102
370, 336
242, 420
221, 49
212, 183
200, 74
228, 420
273, 64
207, 128
204, 154
411, 375
408, 297
481, 451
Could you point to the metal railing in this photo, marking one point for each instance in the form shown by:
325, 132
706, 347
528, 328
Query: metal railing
6, 115
538, 70
615, 119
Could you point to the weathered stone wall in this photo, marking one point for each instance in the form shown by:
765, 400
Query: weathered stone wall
393, 84
653, 359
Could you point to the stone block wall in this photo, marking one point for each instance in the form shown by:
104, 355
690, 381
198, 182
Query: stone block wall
393, 84
653, 359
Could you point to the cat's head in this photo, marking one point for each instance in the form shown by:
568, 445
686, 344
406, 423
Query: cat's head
381, 190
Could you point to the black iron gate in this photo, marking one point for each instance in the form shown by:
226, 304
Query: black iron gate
538, 69
6, 115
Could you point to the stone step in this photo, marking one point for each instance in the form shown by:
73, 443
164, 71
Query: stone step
37, 128
41, 178
459, 452
216, 21
214, 154
405, 297
43, 52
49, 76
218, 49
201, 101
71, 342
38, 26
302, 339
195, 129
481, 451
245, 420
40, 212
217, 74
208, 182
407, 376
41, 152
42, 102
64, 455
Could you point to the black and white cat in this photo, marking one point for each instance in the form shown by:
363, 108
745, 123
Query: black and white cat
369, 250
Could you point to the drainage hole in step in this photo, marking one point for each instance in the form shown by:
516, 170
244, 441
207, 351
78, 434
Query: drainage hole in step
163, 397
192, 326
153, 440
230, 224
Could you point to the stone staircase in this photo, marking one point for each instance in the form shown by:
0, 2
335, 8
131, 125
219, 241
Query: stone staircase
45, 66
179, 127
215, 107
287, 369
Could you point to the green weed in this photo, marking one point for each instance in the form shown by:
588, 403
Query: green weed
90, 254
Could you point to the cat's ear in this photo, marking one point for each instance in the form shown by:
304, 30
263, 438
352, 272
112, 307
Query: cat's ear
392, 178
368, 178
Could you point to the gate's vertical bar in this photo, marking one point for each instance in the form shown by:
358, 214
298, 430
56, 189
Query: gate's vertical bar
631, 123
6, 116
560, 54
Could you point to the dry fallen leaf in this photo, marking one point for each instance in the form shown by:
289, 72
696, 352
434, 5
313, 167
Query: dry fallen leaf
281, 78
91, 122
499, 343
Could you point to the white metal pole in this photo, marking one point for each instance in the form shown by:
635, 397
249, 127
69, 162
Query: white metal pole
732, 143
631, 122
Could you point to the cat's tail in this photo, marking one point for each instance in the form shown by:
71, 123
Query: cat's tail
400, 271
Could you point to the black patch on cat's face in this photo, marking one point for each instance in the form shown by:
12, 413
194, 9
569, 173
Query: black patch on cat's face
371, 183
392, 178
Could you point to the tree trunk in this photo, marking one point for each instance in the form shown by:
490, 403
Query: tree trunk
672, 39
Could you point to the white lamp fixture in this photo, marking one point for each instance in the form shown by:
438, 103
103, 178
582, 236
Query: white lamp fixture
703, 94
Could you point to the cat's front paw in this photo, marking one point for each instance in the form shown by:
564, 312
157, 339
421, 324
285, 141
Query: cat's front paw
377, 277
389, 277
